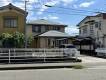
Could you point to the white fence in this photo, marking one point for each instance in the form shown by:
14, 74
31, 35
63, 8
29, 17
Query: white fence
27, 53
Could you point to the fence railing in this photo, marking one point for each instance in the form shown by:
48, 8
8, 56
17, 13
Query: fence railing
21, 54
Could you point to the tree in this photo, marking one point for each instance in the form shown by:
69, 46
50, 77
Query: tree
16, 40
7, 40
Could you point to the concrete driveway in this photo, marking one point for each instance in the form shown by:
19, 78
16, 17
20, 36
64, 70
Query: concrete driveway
90, 59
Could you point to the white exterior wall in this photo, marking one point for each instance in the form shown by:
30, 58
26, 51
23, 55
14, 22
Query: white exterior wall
97, 33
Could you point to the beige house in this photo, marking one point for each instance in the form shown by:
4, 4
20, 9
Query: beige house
94, 27
11, 19
47, 34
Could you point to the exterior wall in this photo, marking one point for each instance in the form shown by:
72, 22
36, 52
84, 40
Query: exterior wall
69, 41
62, 29
98, 32
43, 29
29, 30
20, 18
43, 43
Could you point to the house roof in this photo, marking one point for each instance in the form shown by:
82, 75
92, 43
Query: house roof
11, 6
84, 20
90, 16
54, 33
45, 22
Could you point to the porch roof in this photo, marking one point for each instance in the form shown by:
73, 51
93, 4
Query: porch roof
54, 33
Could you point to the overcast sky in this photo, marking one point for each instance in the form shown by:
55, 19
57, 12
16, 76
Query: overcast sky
69, 12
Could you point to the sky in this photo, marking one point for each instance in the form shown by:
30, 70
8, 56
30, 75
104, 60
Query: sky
68, 12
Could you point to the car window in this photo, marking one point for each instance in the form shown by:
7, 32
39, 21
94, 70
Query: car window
70, 46
62, 46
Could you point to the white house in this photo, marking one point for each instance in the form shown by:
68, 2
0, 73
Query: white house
94, 27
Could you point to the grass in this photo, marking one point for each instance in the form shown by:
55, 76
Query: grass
77, 67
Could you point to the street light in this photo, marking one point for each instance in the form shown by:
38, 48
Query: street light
48, 6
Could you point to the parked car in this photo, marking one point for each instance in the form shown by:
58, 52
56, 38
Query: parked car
70, 50
101, 52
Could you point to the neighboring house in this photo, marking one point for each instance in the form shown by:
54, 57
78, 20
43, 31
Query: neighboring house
94, 27
47, 34
12, 19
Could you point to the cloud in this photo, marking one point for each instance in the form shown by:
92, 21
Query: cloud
5, 2
72, 30
42, 9
75, 6
50, 17
86, 4
66, 2
53, 3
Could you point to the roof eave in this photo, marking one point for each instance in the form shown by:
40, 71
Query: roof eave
47, 24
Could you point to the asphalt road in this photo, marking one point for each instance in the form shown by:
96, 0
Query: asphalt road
95, 70
54, 74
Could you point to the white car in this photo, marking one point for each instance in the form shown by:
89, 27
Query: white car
70, 50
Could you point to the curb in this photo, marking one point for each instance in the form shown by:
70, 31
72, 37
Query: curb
36, 66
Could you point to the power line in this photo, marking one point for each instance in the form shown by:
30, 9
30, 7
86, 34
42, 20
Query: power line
74, 9
56, 12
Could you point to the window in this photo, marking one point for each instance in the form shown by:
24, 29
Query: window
91, 30
10, 22
43, 29
98, 25
36, 29
84, 30
56, 28
46, 28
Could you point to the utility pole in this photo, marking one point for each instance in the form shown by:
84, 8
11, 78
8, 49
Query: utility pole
25, 18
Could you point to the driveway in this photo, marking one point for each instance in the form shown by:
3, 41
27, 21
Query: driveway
90, 59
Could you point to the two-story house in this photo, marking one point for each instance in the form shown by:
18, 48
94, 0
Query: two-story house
12, 19
94, 27
47, 34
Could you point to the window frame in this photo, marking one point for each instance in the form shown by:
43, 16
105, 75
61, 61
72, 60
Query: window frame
11, 23
34, 28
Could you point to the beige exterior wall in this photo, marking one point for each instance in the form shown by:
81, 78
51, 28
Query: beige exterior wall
29, 30
43, 43
14, 13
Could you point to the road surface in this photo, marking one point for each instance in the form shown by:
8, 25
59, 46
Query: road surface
54, 74
95, 70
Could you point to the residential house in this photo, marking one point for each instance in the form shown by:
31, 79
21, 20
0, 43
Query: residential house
47, 34
12, 19
94, 27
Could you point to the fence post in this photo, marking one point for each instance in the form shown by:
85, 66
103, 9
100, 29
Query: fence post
44, 55
14, 53
9, 57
